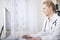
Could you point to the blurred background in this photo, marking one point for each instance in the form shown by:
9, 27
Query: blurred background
22, 16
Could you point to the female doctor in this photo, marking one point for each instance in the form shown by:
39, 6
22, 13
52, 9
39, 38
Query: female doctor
51, 26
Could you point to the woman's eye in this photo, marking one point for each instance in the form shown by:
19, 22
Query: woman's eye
43, 8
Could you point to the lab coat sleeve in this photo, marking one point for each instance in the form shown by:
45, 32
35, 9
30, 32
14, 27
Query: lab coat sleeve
55, 35
40, 33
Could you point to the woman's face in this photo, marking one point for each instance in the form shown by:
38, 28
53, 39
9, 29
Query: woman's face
46, 10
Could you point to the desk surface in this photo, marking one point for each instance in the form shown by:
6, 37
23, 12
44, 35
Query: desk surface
13, 38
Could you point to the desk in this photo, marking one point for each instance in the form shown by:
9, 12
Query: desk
13, 38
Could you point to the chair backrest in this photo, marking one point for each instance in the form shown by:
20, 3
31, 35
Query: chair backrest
58, 12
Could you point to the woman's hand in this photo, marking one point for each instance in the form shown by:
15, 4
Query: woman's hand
26, 36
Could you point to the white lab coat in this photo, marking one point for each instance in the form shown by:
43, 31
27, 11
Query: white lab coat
51, 29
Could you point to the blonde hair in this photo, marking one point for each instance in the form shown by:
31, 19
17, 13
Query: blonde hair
50, 3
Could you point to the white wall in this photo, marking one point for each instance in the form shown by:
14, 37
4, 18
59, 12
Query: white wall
35, 16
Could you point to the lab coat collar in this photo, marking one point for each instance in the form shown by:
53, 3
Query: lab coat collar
54, 17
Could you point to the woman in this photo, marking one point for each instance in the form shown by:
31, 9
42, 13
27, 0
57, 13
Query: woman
51, 27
